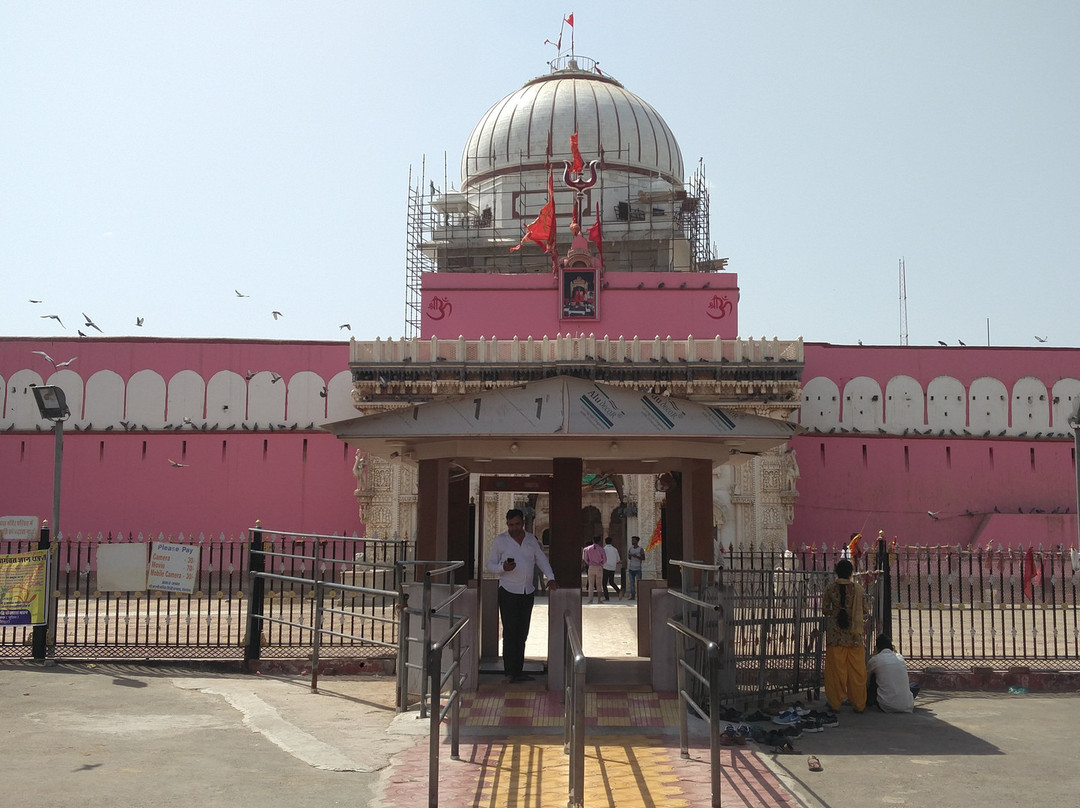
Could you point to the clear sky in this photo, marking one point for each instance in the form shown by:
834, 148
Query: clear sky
156, 157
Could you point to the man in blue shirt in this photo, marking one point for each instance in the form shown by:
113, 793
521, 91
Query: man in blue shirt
514, 557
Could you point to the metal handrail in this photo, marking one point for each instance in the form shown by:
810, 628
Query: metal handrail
433, 652
316, 629
713, 657
574, 664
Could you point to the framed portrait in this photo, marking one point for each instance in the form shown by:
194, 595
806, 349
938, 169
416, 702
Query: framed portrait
579, 298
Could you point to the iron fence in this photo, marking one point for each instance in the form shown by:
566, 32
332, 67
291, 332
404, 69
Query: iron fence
211, 622
943, 605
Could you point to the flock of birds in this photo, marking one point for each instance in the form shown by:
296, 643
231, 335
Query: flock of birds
139, 321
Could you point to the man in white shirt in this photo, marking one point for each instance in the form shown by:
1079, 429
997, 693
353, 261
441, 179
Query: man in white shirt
514, 557
611, 566
887, 684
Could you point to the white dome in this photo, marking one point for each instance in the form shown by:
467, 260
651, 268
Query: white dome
613, 124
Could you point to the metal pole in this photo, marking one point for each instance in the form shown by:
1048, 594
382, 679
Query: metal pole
39, 634
256, 564
53, 568
1074, 424
58, 456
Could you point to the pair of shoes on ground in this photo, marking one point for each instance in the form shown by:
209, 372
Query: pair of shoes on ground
792, 715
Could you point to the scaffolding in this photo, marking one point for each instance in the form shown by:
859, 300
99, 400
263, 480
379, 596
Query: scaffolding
419, 221
473, 230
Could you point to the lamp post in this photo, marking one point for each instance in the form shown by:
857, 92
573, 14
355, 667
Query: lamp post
52, 405
1074, 425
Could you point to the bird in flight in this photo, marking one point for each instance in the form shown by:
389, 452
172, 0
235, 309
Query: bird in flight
174, 464
139, 321
274, 378
277, 314
248, 376
1040, 339
345, 325
53, 362
240, 294
933, 515
34, 301
53, 317
90, 323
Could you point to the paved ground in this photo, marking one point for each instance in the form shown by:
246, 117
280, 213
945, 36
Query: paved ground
152, 736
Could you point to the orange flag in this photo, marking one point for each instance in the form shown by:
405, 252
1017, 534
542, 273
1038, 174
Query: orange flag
597, 237
542, 229
657, 536
1032, 576
578, 162
855, 548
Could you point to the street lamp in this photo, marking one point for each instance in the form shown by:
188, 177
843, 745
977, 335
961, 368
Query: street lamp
52, 405
1074, 425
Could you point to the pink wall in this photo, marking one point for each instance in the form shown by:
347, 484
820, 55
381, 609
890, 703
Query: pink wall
866, 482
841, 363
111, 483
122, 481
474, 305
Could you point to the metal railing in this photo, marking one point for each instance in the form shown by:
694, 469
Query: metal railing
574, 667
432, 669
211, 622
710, 680
321, 592
949, 606
428, 613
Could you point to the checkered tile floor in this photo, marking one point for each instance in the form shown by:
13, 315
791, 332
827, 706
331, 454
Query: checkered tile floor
632, 757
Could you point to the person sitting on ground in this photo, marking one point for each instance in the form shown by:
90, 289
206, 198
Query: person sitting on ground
611, 566
887, 685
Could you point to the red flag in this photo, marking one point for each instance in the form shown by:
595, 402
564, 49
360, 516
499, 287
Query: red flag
542, 229
578, 162
570, 20
656, 538
855, 548
1032, 576
597, 237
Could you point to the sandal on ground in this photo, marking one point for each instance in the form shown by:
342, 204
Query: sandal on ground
785, 749
814, 763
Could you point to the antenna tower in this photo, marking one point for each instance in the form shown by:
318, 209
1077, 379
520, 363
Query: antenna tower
903, 304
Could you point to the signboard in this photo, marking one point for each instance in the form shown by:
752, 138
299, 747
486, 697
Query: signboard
173, 567
121, 567
19, 528
22, 589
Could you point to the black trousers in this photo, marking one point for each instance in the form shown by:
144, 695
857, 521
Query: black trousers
516, 614
609, 578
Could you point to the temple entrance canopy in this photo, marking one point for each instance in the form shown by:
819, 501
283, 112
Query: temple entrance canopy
562, 425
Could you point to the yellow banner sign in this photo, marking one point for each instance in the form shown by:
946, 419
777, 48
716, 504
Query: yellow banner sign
22, 588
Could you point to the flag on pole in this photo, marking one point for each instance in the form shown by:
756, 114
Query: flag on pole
657, 536
1032, 576
570, 20
542, 229
578, 162
597, 237
855, 548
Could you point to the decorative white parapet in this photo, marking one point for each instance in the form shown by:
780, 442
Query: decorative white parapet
568, 348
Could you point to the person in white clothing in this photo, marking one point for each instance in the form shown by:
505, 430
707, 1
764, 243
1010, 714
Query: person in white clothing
514, 557
611, 566
887, 683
